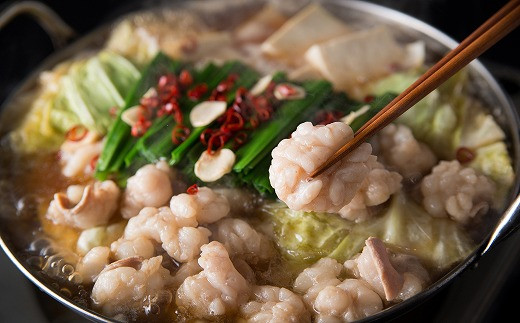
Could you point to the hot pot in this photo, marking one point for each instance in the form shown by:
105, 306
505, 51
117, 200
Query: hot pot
485, 88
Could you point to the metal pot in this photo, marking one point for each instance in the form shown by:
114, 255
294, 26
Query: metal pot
355, 12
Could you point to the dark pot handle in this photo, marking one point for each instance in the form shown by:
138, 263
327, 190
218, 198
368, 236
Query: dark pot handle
59, 31
508, 224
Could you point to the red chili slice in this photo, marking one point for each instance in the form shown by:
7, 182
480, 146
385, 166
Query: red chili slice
240, 138
465, 155
76, 133
254, 122
193, 189
216, 141
93, 162
326, 117
150, 102
197, 92
185, 78
234, 121
368, 98
286, 90
264, 114
180, 133
205, 136
113, 111
165, 80
140, 127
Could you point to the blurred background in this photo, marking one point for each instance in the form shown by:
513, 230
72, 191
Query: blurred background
482, 294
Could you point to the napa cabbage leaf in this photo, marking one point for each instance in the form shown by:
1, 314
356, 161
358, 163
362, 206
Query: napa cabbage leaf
405, 225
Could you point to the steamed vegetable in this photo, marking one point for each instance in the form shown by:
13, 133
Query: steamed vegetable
308, 236
447, 121
79, 93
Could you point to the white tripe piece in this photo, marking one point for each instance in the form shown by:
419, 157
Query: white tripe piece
93, 263
241, 239
274, 304
204, 207
456, 191
310, 146
376, 189
181, 242
333, 300
124, 285
218, 289
150, 186
403, 153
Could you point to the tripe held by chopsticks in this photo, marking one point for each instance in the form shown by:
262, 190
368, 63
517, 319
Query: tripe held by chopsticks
489, 33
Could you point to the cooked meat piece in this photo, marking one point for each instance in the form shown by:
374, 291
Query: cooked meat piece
85, 207
181, 243
93, 263
376, 189
274, 304
240, 238
309, 146
456, 191
391, 276
217, 290
204, 207
150, 186
123, 287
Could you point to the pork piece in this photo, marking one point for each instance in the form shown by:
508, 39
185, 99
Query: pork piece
93, 263
217, 290
240, 239
160, 225
150, 186
309, 146
391, 276
376, 189
458, 192
274, 304
332, 300
403, 153
204, 207
140, 247
127, 284
76, 156
84, 207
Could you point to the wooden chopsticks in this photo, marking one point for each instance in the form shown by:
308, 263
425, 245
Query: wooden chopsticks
494, 29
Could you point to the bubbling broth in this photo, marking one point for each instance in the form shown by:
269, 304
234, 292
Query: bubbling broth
164, 176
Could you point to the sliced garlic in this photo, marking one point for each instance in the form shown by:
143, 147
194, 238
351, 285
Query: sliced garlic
287, 91
210, 168
261, 85
206, 112
354, 114
150, 93
131, 115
